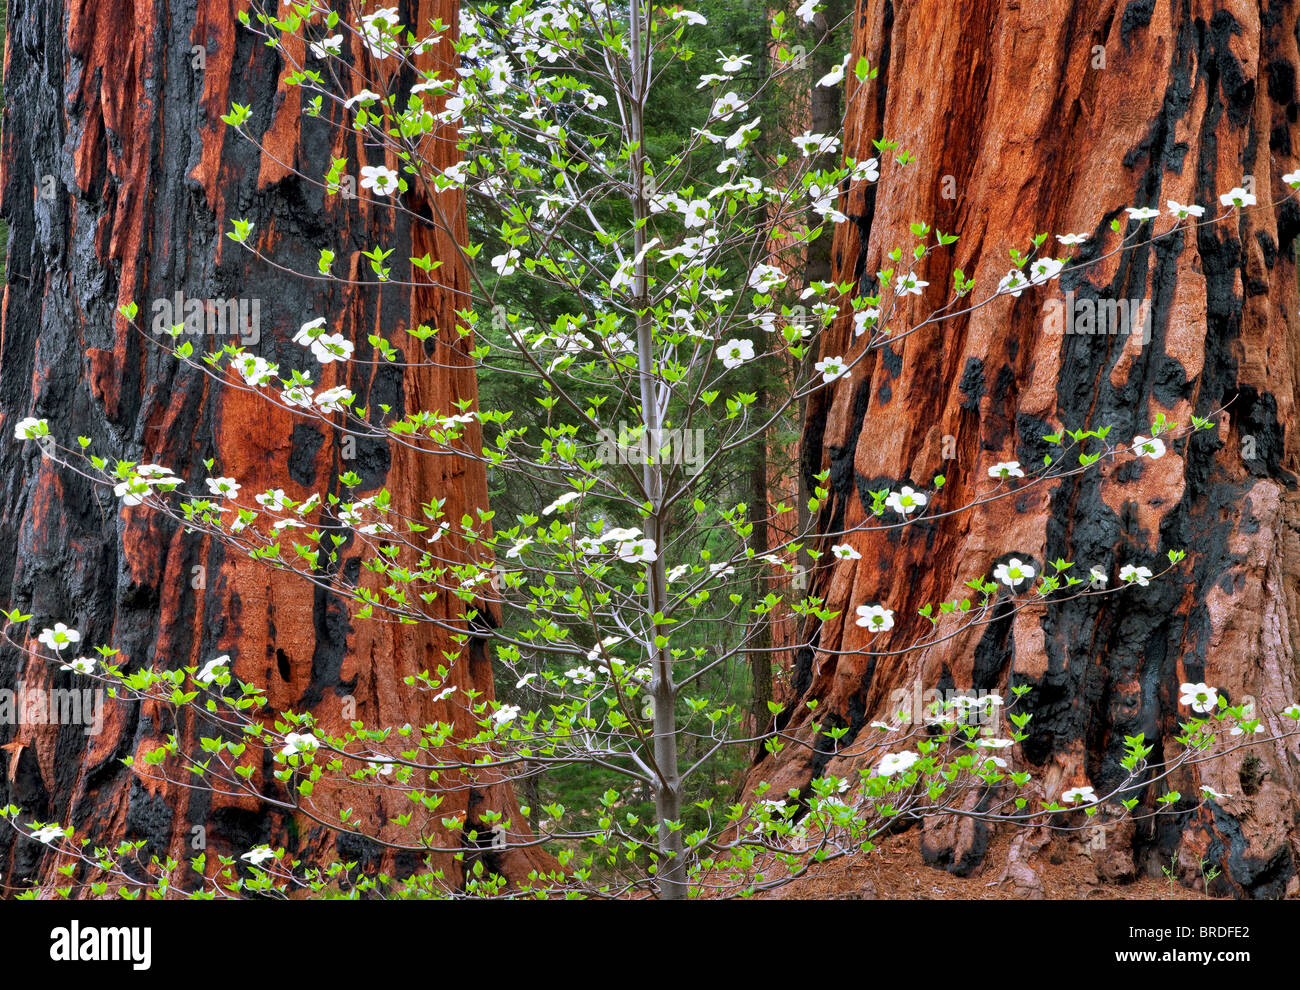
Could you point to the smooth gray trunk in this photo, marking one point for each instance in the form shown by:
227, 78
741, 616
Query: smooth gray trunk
667, 785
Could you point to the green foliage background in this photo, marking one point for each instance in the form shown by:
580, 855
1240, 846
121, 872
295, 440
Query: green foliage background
677, 106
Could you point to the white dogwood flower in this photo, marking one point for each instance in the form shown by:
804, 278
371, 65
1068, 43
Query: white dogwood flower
133, 491
1013, 572
735, 352
1044, 270
364, 96
59, 638
811, 143
157, 476
333, 400
600, 651
896, 763
330, 46
255, 371
1153, 448
30, 427
1200, 696
1013, 283
212, 669
689, 16
867, 170
836, 75
48, 834
1138, 575
382, 180
297, 395
224, 487
561, 502
909, 284
831, 369
1237, 197
504, 264
876, 618
696, 213
765, 278
1006, 469
732, 63
864, 318
331, 347
309, 331
271, 499
637, 551
505, 714
742, 135
727, 106
299, 742
906, 501
377, 29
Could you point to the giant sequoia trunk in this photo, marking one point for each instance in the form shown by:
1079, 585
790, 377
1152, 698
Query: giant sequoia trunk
1053, 116
114, 112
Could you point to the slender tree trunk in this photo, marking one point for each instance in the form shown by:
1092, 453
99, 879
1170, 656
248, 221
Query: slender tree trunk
667, 784
1054, 116
119, 182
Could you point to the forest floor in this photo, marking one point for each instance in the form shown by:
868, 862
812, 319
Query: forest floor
895, 871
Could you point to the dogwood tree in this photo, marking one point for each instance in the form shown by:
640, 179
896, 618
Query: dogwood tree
671, 281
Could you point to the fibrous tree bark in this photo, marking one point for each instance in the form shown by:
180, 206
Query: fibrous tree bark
1054, 117
120, 180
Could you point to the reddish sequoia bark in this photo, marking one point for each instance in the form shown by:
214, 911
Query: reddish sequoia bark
107, 98
800, 106
1006, 99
